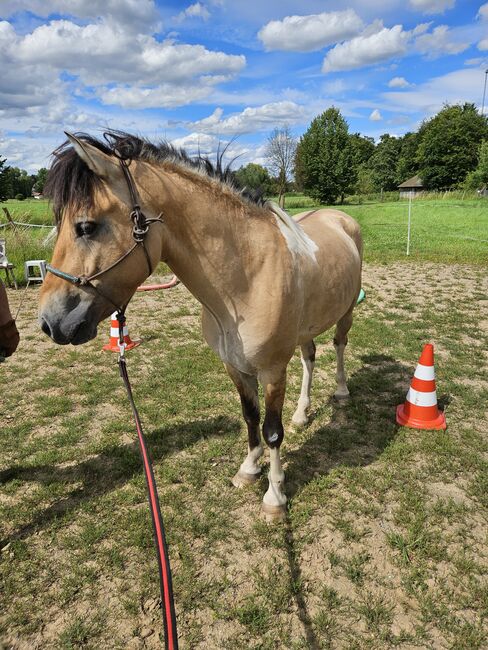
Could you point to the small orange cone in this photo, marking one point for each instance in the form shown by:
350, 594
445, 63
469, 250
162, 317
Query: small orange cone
113, 344
420, 409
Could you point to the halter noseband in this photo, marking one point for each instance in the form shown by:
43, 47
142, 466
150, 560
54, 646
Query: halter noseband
140, 228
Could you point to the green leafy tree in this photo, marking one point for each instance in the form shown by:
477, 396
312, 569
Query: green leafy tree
254, 177
365, 182
449, 145
40, 181
19, 182
325, 158
4, 184
363, 148
478, 178
407, 165
383, 163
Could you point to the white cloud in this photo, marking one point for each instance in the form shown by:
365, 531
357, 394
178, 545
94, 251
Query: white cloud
142, 71
476, 61
376, 44
483, 12
133, 14
398, 82
458, 86
483, 45
375, 116
99, 54
439, 41
251, 119
196, 10
432, 6
309, 33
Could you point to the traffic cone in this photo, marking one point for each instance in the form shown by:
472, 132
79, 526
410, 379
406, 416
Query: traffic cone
420, 409
113, 344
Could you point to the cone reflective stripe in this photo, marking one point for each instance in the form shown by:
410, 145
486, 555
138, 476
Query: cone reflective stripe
420, 409
113, 344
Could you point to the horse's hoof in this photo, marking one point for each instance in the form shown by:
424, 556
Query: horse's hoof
299, 420
273, 514
341, 397
243, 479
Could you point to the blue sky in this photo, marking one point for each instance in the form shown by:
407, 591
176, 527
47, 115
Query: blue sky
200, 73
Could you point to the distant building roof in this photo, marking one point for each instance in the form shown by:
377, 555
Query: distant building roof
415, 181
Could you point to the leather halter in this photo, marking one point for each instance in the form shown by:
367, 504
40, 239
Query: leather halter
140, 228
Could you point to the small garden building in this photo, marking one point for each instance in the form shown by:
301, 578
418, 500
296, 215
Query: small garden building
412, 187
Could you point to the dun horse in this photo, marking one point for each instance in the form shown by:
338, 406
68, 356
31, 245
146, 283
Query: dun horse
267, 283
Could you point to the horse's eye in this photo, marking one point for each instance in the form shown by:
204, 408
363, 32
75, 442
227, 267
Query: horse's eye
85, 228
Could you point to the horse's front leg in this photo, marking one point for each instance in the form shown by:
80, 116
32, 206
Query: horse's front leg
274, 386
247, 387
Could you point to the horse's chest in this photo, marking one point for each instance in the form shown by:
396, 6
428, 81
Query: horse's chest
226, 341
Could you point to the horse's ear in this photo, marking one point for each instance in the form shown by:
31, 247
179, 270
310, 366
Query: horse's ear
104, 166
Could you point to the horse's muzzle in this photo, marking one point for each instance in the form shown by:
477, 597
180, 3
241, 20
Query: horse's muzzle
76, 335
74, 321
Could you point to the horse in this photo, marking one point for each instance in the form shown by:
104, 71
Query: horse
267, 282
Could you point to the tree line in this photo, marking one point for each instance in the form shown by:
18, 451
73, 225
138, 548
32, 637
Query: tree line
16, 183
449, 151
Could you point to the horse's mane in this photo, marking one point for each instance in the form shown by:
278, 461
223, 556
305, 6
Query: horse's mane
71, 182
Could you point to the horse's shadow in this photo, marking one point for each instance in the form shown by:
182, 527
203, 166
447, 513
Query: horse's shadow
359, 429
110, 469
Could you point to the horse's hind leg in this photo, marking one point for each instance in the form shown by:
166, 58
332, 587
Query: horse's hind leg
247, 387
340, 341
300, 417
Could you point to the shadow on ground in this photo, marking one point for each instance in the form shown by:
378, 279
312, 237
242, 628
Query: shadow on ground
356, 434
359, 429
110, 469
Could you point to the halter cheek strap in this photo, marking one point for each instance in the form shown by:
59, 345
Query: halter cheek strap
140, 228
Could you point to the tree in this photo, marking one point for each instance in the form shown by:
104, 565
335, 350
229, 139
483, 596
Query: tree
363, 148
4, 186
19, 182
40, 180
365, 183
383, 163
478, 178
407, 165
280, 154
325, 158
449, 145
254, 177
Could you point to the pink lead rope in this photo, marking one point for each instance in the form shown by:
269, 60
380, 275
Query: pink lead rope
167, 602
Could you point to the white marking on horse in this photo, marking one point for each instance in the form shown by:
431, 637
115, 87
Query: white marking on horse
298, 242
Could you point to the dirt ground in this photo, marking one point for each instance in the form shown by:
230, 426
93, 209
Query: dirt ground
385, 543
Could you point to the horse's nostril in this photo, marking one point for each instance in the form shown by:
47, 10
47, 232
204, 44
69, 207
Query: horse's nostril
45, 327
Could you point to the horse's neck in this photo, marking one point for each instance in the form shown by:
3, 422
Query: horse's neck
207, 237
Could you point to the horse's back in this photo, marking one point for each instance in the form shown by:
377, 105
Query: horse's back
318, 223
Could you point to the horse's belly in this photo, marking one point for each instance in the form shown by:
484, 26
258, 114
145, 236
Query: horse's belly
330, 288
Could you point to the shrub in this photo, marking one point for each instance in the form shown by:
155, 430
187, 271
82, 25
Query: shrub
19, 197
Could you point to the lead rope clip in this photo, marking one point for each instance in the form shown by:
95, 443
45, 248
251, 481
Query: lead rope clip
121, 322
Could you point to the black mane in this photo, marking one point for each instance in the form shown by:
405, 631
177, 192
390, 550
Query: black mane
71, 182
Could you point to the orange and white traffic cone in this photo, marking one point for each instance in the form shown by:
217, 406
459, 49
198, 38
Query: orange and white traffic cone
420, 409
113, 344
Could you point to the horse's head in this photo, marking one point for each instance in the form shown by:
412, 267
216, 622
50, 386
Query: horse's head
92, 203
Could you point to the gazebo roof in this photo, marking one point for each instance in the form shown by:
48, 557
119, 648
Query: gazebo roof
415, 181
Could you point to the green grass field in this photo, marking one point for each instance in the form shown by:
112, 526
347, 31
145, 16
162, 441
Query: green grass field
385, 541
441, 230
